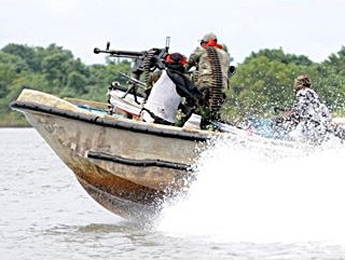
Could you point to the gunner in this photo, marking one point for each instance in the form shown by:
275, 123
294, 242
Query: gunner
167, 92
203, 75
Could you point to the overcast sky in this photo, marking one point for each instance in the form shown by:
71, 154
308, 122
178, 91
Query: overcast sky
311, 27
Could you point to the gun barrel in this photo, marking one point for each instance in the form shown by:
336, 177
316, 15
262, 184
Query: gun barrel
117, 53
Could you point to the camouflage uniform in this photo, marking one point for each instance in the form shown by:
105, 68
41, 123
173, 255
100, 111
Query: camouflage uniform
309, 119
202, 77
313, 117
203, 74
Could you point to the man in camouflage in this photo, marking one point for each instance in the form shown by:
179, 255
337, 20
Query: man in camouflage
203, 76
309, 119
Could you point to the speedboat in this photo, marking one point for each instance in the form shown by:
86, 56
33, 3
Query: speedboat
128, 166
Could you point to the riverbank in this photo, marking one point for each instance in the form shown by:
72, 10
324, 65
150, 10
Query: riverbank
13, 119
23, 123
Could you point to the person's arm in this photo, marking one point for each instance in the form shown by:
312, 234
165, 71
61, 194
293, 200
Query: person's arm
152, 80
185, 87
194, 58
294, 114
299, 111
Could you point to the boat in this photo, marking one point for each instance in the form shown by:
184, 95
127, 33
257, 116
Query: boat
128, 166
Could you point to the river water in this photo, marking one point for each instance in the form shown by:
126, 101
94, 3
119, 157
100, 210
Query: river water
241, 207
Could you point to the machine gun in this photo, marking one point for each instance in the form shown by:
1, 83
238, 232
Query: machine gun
144, 62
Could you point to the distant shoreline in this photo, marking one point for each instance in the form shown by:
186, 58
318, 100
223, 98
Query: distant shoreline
15, 126
337, 120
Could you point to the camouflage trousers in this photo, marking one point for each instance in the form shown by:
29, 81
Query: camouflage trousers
207, 115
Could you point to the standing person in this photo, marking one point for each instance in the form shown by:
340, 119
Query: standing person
167, 91
211, 76
309, 119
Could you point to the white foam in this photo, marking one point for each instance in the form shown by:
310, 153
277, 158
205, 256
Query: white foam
255, 195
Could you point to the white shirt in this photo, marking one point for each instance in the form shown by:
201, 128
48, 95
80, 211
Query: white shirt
164, 100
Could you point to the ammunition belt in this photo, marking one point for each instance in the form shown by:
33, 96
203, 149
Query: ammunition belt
216, 93
147, 65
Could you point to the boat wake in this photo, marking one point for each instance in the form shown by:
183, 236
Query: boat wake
254, 194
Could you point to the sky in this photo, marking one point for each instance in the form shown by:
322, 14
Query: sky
313, 28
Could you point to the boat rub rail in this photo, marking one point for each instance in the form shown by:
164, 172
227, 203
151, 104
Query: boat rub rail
138, 163
94, 119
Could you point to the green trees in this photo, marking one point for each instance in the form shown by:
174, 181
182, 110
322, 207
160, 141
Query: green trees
262, 82
279, 55
52, 70
265, 81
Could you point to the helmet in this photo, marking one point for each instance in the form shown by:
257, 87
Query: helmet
207, 37
176, 58
302, 81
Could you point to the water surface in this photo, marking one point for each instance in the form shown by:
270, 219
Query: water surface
45, 214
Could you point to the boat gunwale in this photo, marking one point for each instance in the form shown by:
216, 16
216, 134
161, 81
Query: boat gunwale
96, 119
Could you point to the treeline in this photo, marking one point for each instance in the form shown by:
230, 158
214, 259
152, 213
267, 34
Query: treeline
52, 70
262, 82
